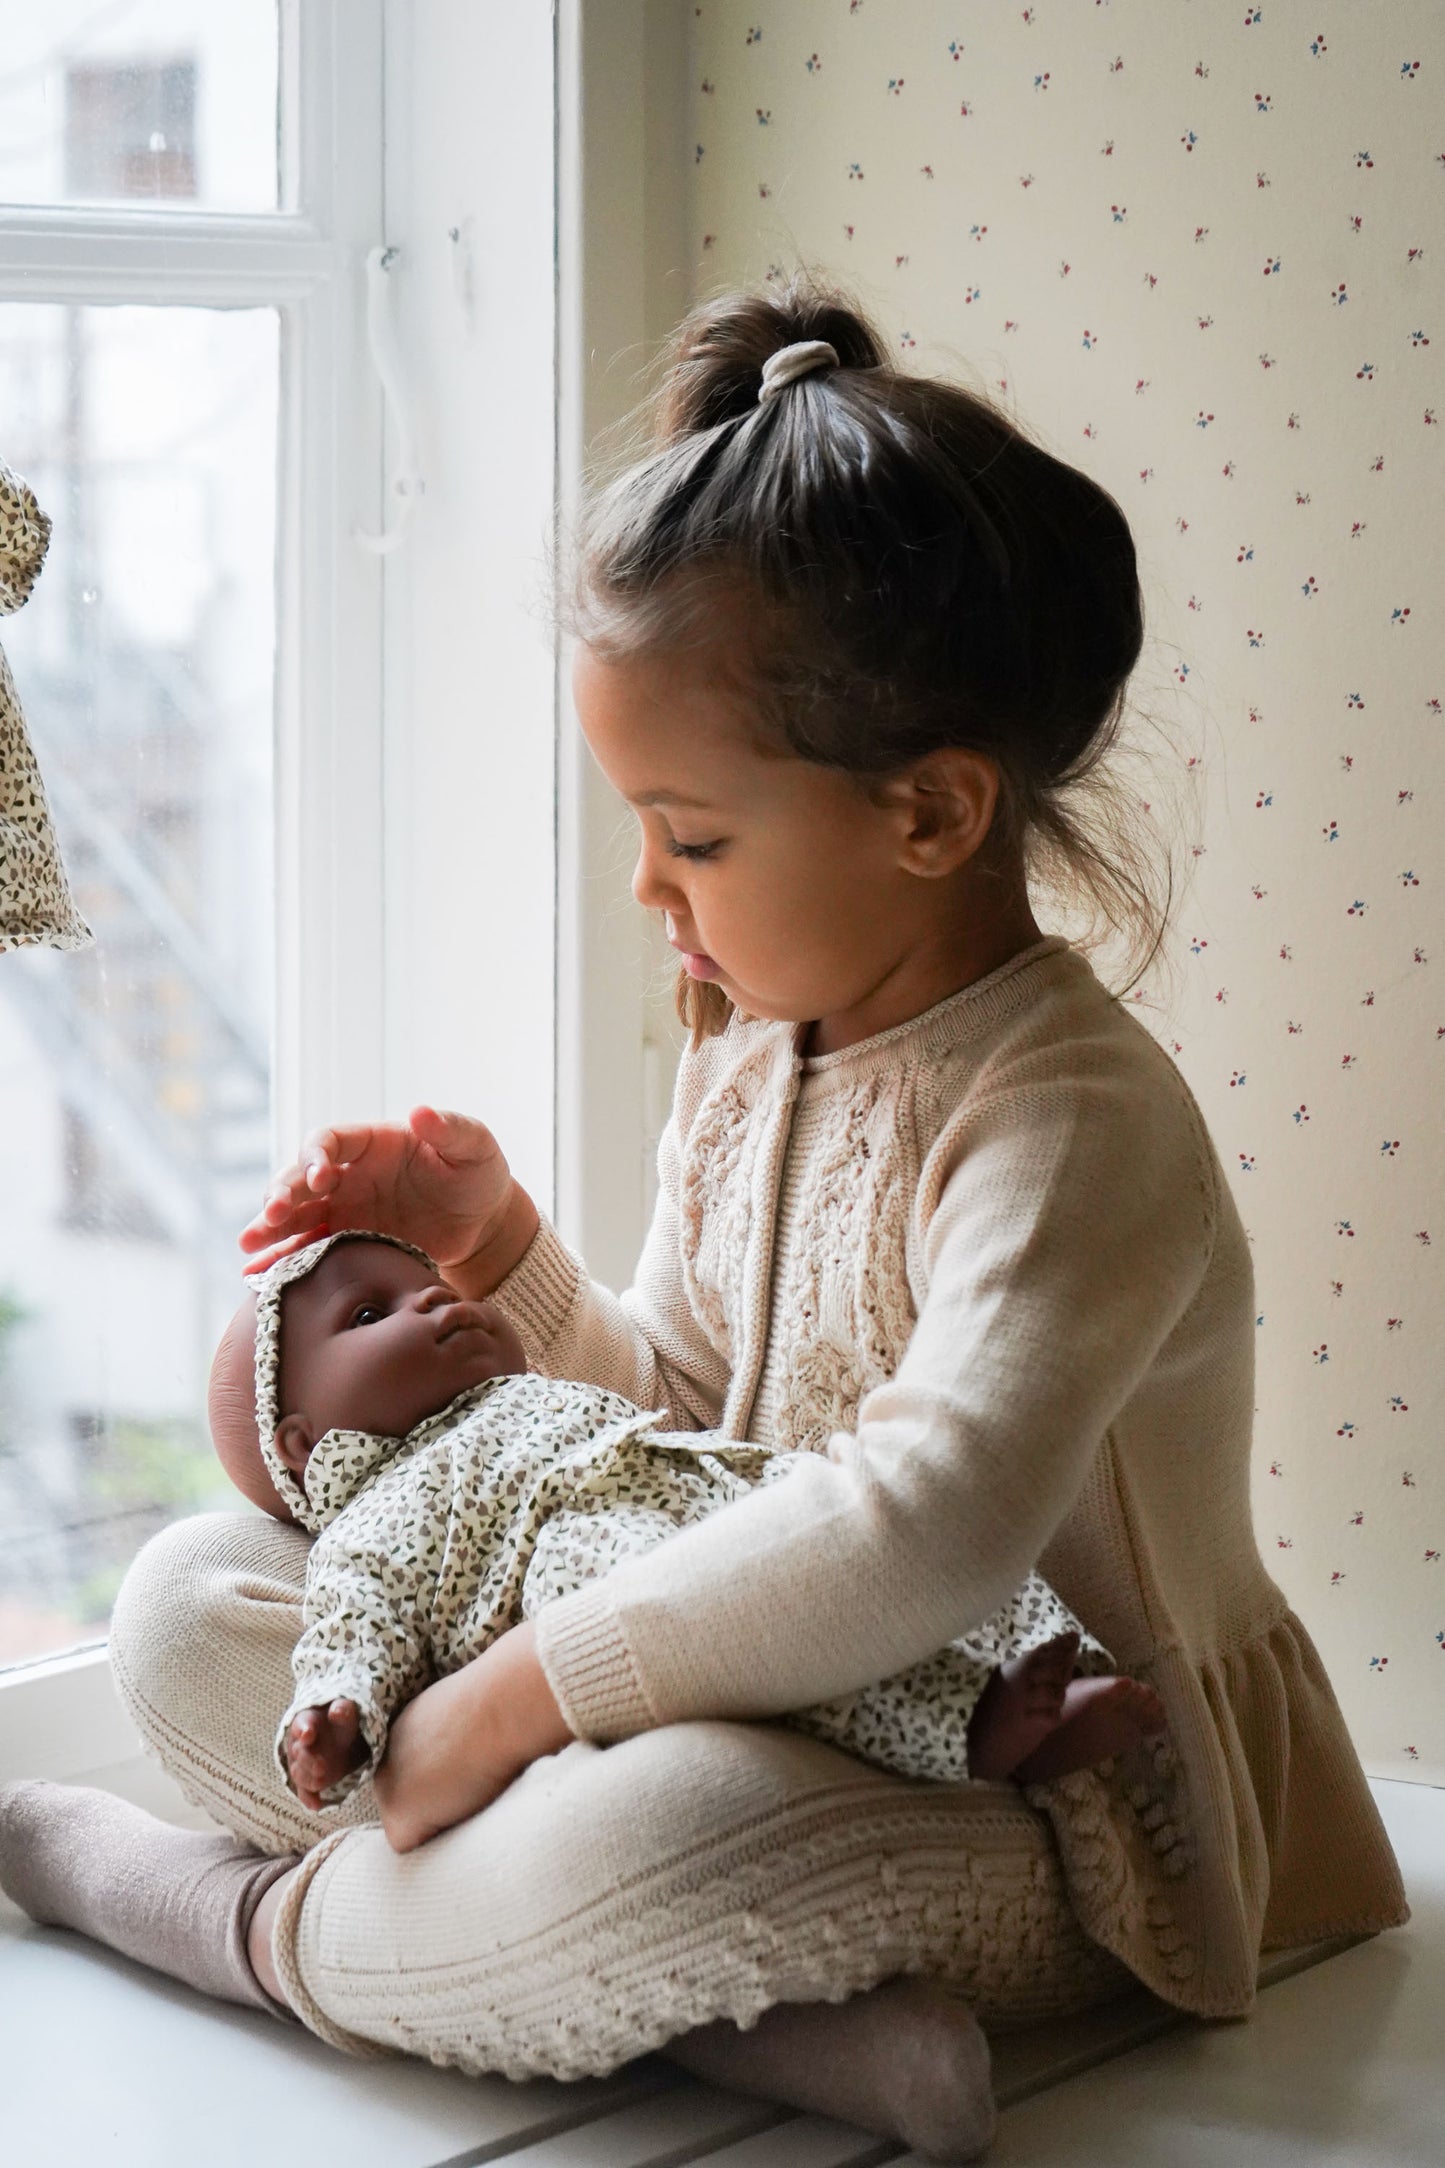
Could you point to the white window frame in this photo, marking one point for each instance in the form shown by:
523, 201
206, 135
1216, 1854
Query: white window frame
406, 967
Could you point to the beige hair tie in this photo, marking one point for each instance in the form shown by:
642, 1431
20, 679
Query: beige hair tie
791, 362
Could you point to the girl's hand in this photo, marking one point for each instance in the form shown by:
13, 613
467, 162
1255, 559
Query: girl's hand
438, 1180
461, 1742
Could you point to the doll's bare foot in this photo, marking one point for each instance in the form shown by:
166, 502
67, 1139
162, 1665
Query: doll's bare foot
1101, 1718
321, 1746
1020, 1706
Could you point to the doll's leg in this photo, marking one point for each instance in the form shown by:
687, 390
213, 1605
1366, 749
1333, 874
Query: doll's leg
1001, 1703
200, 1646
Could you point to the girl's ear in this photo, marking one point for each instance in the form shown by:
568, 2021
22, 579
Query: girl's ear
945, 803
293, 1442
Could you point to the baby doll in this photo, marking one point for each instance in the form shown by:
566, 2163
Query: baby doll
453, 1494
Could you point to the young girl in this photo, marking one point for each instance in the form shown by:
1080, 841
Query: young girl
936, 1213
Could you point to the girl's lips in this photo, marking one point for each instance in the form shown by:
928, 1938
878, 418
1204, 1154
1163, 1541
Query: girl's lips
694, 962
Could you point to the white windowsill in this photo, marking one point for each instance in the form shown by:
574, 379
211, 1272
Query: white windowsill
1339, 2066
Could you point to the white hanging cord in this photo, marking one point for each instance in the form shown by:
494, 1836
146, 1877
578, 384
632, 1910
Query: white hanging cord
406, 484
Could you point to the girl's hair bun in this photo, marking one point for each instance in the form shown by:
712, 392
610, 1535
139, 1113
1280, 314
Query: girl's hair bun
719, 350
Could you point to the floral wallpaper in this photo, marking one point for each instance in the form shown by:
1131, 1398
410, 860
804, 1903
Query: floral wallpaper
1198, 248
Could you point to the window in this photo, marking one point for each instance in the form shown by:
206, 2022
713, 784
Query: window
190, 395
403, 845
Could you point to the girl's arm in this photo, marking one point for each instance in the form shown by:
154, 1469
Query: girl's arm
647, 1344
1065, 1223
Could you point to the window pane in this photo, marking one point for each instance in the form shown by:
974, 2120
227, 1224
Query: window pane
134, 1076
170, 102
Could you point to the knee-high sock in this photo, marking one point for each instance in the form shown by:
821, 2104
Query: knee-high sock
177, 1899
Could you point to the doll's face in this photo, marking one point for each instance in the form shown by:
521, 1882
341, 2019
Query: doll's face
373, 1340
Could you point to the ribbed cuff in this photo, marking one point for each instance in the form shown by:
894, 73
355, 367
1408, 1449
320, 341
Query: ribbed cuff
589, 1667
540, 1292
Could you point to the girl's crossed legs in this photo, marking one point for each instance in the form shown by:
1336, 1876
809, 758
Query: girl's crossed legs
610, 1900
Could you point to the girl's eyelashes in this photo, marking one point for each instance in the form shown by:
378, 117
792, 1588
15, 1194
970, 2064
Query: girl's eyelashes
367, 1313
697, 852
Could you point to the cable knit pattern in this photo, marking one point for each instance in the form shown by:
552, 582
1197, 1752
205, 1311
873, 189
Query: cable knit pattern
985, 1273
842, 1884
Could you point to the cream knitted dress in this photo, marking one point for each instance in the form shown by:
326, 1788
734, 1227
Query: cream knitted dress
1017, 1298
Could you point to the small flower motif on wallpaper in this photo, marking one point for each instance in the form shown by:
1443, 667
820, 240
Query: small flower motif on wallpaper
1263, 102
1418, 338
1246, 1162
1041, 82
1311, 588
1202, 420
1347, 1430
1301, 1116
1340, 295
1318, 47
955, 50
1119, 212
1365, 373
1355, 223
1364, 162
1331, 833
1409, 69
1245, 554
1189, 139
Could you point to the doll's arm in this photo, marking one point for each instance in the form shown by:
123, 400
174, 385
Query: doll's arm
366, 1639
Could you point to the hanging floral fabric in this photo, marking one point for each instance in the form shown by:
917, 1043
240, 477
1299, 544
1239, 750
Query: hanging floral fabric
36, 906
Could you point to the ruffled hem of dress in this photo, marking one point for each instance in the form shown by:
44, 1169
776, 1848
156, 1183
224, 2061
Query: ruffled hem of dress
1248, 1823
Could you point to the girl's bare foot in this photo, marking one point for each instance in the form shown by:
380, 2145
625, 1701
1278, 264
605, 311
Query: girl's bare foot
1101, 1718
1018, 1709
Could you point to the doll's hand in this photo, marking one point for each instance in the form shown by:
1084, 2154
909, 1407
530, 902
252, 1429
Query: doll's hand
321, 1745
462, 1741
438, 1180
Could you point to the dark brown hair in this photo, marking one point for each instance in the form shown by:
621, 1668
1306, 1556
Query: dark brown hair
918, 575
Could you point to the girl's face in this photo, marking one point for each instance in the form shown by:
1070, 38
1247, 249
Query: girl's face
799, 893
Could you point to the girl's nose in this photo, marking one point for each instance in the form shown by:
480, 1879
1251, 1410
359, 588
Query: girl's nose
650, 884
435, 1296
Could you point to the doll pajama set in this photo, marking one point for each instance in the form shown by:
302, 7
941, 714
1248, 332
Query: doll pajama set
519, 1491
